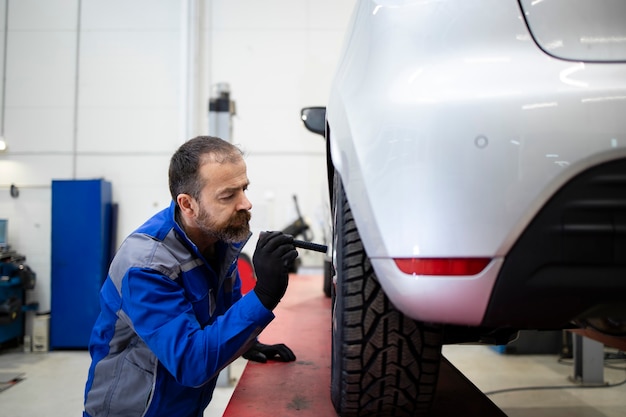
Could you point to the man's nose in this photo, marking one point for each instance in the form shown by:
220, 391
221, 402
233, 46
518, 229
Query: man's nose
244, 203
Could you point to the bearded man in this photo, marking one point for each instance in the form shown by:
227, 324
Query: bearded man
172, 314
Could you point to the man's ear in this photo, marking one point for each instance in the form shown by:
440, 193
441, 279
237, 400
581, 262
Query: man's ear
187, 204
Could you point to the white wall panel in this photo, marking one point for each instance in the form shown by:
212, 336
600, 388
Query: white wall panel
40, 129
40, 15
40, 90
150, 199
259, 15
329, 14
40, 68
264, 66
2, 38
129, 91
130, 76
282, 177
129, 68
146, 200
34, 170
122, 129
128, 170
275, 129
324, 48
112, 15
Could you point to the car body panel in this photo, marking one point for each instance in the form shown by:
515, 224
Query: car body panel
587, 30
439, 299
450, 129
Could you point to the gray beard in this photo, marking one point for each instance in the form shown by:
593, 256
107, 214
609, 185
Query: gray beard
229, 233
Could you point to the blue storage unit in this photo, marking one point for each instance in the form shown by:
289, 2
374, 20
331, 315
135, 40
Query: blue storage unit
82, 228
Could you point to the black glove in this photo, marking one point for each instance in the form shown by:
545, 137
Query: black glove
261, 353
273, 254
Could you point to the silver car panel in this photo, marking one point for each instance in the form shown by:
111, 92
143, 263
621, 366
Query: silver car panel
451, 128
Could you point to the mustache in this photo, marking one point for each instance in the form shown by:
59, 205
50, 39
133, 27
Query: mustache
241, 217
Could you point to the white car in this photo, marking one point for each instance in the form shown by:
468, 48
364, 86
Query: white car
477, 156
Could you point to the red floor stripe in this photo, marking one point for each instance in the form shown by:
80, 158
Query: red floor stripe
297, 388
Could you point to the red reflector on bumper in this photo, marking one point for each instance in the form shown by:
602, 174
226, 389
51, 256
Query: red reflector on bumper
442, 266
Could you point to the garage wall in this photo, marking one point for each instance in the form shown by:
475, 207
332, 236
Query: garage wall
110, 88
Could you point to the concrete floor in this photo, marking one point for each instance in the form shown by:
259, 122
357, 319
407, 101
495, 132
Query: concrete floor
553, 394
53, 384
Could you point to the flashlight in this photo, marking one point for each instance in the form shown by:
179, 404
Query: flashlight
310, 246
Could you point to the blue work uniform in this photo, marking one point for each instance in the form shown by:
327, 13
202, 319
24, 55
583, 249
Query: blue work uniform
169, 322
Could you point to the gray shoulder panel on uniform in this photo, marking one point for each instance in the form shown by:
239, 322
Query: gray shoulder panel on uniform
168, 257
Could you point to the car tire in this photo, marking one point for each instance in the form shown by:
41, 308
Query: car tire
383, 363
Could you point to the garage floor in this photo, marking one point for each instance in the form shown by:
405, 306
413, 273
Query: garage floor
52, 383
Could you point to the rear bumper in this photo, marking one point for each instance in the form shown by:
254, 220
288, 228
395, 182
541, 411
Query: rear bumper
569, 263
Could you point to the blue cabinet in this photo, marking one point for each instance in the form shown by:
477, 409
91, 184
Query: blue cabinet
82, 231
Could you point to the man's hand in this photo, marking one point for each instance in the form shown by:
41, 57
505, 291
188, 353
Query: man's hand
273, 254
262, 353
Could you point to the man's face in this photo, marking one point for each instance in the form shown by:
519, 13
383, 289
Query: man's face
224, 209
